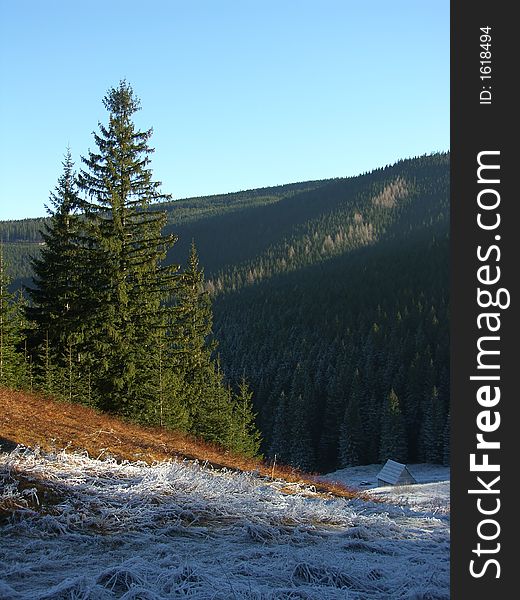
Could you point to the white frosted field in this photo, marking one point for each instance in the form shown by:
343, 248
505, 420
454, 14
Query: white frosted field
431, 493
182, 530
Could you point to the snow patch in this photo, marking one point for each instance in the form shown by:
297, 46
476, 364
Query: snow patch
431, 493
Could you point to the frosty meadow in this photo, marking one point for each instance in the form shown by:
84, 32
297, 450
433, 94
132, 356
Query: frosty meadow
179, 529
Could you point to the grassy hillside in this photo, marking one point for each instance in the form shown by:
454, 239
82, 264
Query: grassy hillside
33, 420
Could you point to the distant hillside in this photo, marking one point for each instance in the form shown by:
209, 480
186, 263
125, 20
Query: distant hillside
238, 232
188, 218
332, 298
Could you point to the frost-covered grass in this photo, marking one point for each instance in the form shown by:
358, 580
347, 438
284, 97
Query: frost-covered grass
91, 529
431, 497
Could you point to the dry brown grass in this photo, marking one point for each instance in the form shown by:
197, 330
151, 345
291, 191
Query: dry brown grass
34, 420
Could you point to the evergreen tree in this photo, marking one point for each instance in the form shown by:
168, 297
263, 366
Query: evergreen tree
214, 412
352, 442
279, 446
163, 391
193, 319
23, 345
192, 350
412, 401
334, 386
371, 419
48, 377
393, 440
446, 442
302, 452
245, 436
128, 284
55, 311
12, 364
432, 428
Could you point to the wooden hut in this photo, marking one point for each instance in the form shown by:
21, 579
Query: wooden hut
394, 473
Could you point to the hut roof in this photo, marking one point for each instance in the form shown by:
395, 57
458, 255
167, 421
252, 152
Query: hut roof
395, 473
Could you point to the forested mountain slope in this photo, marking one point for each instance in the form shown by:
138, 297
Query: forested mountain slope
342, 327
331, 297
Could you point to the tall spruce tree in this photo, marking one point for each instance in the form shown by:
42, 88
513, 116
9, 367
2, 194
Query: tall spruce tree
129, 285
193, 346
279, 446
193, 317
432, 428
301, 450
446, 442
207, 400
164, 390
333, 414
214, 412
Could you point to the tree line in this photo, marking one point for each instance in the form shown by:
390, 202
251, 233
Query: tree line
106, 321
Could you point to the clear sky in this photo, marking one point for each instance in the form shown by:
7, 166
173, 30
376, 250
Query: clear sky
240, 93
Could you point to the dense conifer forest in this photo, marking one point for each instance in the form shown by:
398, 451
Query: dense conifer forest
342, 326
321, 307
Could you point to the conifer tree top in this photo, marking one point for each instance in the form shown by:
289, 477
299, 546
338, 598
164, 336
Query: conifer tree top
64, 199
118, 174
121, 100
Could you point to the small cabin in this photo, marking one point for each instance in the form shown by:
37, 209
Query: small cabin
394, 473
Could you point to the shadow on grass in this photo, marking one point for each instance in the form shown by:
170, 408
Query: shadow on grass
7, 445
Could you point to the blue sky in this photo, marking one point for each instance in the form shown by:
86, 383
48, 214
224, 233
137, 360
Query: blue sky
240, 93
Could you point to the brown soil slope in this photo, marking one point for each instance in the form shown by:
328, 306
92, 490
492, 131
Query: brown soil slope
33, 420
